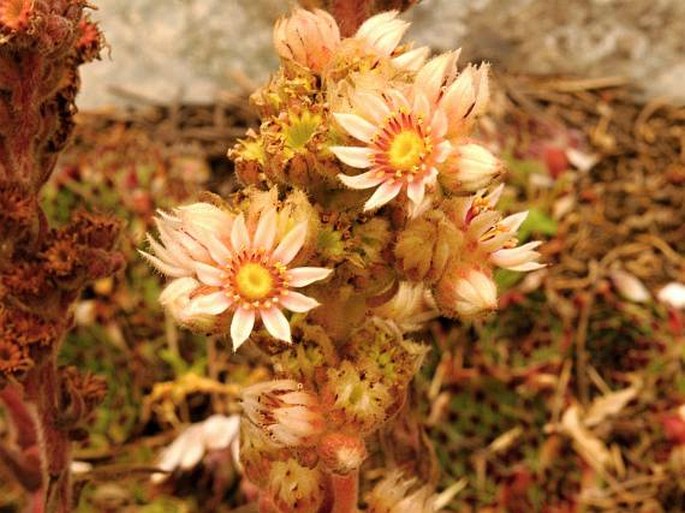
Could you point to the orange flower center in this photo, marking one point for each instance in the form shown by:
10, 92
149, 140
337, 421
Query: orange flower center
402, 146
407, 151
254, 281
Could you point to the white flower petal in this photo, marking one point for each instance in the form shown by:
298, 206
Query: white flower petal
514, 221
276, 323
413, 59
386, 40
528, 266
241, 326
416, 190
421, 106
439, 125
374, 23
477, 293
209, 274
296, 302
291, 244
171, 220
432, 76
162, 253
460, 97
382, 31
303, 276
177, 293
362, 181
218, 250
194, 449
356, 126
167, 234
353, 156
196, 250
494, 196
240, 238
214, 303
219, 431
386, 192
371, 105
397, 99
265, 234
163, 267
205, 216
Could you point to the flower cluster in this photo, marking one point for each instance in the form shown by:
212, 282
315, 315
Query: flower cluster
364, 184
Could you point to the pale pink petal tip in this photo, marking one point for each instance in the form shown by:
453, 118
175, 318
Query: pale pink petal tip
296, 302
241, 326
276, 324
385, 193
353, 156
362, 181
303, 276
291, 244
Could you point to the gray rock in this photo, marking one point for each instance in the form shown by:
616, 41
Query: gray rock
191, 49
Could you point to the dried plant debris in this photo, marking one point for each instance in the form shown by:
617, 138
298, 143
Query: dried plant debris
578, 380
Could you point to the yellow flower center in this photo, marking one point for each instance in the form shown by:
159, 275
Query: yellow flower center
407, 150
254, 281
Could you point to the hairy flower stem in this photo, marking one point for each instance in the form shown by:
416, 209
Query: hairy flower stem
345, 492
27, 473
42, 390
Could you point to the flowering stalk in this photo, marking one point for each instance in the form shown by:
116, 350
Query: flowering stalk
345, 492
43, 269
364, 189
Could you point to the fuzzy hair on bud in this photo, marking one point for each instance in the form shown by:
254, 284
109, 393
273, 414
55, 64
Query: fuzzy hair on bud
342, 453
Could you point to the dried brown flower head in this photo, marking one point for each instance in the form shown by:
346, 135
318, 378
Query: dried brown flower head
82, 391
13, 358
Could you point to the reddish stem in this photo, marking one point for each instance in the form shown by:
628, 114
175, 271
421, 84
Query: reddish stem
43, 390
22, 419
345, 492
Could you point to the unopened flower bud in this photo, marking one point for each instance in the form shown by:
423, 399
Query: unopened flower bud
519, 258
176, 297
295, 488
287, 414
470, 167
466, 98
426, 245
395, 494
342, 453
410, 308
356, 400
307, 37
466, 293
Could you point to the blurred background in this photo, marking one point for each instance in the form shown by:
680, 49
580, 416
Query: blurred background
188, 49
